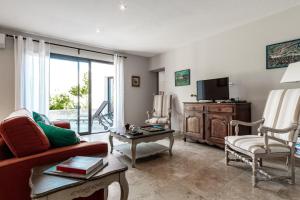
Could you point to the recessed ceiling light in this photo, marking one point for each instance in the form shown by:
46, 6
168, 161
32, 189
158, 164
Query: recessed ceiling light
98, 30
123, 6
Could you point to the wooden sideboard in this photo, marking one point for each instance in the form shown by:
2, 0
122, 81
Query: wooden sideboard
209, 122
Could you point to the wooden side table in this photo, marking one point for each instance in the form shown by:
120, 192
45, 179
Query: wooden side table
48, 187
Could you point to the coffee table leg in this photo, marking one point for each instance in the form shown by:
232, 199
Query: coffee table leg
105, 193
133, 154
124, 186
171, 138
111, 143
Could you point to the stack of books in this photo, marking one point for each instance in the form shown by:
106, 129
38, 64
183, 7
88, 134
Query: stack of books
78, 167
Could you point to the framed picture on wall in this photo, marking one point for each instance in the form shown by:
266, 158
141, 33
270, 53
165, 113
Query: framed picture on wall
182, 77
135, 81
280, 55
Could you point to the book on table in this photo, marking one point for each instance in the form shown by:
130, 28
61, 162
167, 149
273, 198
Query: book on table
78, 167
80, 164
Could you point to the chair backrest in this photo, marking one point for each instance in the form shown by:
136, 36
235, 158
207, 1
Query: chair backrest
288, 114
157, 105
167, 105
272, 106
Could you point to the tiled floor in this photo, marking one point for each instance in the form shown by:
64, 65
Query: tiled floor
197, 171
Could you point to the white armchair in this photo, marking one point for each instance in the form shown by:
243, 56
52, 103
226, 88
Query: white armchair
277, 135
161, 113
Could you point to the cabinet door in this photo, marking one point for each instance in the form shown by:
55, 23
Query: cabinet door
194, 124
217, 127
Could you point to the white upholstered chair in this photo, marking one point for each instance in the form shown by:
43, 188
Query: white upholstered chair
277, 136
161, 113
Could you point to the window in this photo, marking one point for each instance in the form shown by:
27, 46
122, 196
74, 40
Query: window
78, 89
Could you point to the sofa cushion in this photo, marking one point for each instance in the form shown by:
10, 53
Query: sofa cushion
255, 144
152, 121
41, 118
5, 153
162, 120
20, 113
59, 137
62, 124
23, 136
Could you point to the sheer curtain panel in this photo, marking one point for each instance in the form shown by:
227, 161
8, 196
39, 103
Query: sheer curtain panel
119, 94
32, 61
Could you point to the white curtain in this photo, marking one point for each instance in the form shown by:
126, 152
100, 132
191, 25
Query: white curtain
119, 94
32, 74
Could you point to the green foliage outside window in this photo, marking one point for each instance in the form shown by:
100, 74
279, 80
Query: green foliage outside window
66, 100
60, 102
83, 90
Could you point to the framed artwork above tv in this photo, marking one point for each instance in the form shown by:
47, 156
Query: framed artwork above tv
280, 55
183, 77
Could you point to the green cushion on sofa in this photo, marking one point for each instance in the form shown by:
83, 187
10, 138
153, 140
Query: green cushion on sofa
41, 118
59, 137
37, 117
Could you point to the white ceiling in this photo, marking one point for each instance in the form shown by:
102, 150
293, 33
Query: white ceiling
147, 27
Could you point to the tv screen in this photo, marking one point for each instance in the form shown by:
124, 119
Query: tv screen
213, 89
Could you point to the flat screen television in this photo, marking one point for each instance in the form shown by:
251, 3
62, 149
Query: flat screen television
213, 89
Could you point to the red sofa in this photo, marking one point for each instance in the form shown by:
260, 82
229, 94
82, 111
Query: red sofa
15, 171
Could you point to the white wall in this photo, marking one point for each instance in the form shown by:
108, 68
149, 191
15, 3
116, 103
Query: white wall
7, 83
161, 81
137, 100
239, 54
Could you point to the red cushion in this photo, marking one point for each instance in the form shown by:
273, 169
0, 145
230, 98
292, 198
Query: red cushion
23, 136
62, 124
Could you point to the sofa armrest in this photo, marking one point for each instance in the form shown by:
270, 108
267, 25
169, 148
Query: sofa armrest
62, 124
15, 172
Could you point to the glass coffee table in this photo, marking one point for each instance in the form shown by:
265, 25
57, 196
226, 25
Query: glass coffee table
141, 146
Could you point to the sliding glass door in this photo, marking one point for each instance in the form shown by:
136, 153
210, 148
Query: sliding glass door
101, 93
81, 92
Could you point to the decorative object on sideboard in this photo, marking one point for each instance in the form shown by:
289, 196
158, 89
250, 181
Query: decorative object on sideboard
282, 54
2, 41
292, 73
135, 81
183, 77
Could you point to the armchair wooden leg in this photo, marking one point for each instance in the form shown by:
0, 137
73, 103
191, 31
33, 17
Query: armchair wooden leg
291, 168
254, 171
260, 162
226, 156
